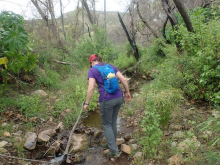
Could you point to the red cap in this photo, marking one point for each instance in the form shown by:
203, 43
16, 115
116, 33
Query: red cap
92, 57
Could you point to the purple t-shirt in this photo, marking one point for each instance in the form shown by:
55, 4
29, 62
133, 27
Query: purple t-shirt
94, 73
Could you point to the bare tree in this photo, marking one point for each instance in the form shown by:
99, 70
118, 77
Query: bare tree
131, 41
62, 20
85, 4
184, 15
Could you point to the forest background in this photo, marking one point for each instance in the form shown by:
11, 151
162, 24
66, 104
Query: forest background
173, 44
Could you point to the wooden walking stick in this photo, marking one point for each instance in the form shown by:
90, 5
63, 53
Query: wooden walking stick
70, 137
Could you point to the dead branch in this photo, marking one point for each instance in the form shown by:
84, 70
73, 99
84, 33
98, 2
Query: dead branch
64, 63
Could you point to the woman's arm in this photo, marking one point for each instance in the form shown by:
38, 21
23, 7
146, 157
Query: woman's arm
90, 91
125, 84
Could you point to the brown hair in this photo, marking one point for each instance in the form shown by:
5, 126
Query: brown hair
99, 59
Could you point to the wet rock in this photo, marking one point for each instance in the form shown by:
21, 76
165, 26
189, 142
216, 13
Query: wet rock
31, 140
206, 134
127, 136
106, 151
54, 148
6, 134
131, 141
175, 160
3, 144
96, 133
119, 141
134, 147
80, 142
41, 93
138, 155
178, 134
46, 135
4, 125
175, 127
126, 149
188, 145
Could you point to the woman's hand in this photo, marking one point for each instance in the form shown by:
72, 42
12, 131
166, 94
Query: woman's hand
127, 96
86, 107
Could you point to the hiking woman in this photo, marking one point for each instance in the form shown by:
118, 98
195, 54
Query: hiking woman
110, 103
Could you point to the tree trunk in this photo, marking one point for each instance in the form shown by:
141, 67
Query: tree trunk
84, 3
184, 14
132, 43
62, 20
105, 24
145, 22
164, 31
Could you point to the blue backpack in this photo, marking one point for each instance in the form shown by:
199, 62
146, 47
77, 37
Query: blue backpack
109, 78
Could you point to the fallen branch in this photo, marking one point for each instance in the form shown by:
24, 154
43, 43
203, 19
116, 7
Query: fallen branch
139, 62
64, 63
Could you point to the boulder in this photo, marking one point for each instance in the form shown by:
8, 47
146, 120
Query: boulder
46, 135
41, 93
31, 140
79, 142
126, 149
120, 141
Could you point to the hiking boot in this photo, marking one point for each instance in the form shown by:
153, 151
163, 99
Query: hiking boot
113, 155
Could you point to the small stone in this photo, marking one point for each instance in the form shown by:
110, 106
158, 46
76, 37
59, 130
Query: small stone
6, 134
120, 141
46, 135
188, 144
127, 136
175, 159
138, 155
126, 149
134, 146
16, 126
31, 140
175, 127
173, 144
178, 134
2, 150
54, 148
131, 141
3, 144
206, 134
106, 151
215, 114
60, 126
144, 77
4, 125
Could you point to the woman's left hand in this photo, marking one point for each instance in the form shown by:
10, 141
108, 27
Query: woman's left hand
85, 108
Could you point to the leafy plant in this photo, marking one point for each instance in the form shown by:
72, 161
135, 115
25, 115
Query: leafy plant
152, 134
14, 43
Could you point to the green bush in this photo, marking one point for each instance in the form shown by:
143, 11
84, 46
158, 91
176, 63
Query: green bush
200, 60
123, 61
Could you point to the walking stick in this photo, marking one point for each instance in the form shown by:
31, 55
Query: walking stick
70, 137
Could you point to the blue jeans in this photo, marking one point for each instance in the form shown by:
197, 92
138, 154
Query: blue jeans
109, 113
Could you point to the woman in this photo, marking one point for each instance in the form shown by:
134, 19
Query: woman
109, 103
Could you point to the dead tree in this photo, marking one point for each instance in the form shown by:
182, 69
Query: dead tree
184, 15
132, 42
145, 22
85, 4
62, 20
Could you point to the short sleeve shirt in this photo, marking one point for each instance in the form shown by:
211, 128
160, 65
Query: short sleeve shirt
94, 73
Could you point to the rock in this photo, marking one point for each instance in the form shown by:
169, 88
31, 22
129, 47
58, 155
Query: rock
54, 148
16, 126
78, 158
79, 143
127, 136
173, 144
3, 144
178, 134
60, 126
6, 134
2, 150
134, 146
188, 145
40, 93
4, 125
126, 149
206, 134
106, 151
103, 141
120, 141
31, 140
97, 133
138, 155
131, 141
175, 160
46, 135
175, 127
144, 77
189, 112
215, 114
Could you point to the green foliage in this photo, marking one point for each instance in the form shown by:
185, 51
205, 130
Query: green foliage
7, 103
124, 62
93, 45
31, 106
152, 134
14, 43
200, 61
